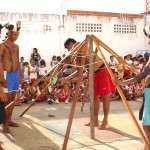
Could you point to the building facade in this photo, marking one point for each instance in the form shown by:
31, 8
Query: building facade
121, 32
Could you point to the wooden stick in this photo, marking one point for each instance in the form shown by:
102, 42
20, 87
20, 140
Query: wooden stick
123, 97
119, 58
75, 96
85, 94
53, 70
91, 90
35, 100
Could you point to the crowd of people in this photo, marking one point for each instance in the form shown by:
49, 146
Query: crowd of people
63, 88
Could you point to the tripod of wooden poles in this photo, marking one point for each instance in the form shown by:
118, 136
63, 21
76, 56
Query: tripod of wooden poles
87, 47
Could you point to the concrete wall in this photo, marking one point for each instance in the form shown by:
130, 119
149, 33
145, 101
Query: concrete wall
50, 42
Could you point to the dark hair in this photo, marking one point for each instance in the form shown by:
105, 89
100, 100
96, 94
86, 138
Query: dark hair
68, 41
42, 62
23, 84
141, 59
1, 27
111, 56
35, 50
40, 83
25, 63
59, 58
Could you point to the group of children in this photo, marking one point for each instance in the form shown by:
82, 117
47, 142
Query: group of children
60, 92
123, 72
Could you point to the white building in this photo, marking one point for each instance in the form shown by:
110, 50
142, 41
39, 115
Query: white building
122, 31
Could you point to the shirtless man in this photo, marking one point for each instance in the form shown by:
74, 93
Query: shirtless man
9, 70
102, 87
145, 74
3, 99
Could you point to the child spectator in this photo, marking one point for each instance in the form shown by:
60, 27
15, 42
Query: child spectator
32, 70
26, 74
129, 61
45, 96
55, 91
22, 67
26, 97
42, 69
139, 89
140, 65
112, 64
64, 94
53, 61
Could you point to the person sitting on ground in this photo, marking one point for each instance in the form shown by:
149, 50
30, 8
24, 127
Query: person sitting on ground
26, 96
64, 94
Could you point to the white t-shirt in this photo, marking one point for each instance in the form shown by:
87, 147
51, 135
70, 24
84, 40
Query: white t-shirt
33, 75
42, 71
129, 62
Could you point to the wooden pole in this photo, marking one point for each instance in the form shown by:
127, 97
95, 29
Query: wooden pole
91, 90
119, 58
75, 96
85, 94
123, 97
57, 67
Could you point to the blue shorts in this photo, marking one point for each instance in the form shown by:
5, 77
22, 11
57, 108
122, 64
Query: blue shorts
146, 111
12, 79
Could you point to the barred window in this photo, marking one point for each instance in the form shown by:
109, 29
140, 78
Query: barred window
88, 27
125, 29
46, 28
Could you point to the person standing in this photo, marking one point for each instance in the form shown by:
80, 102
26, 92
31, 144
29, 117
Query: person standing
9, 70
144, 113
103, 85
3, 96
36, 56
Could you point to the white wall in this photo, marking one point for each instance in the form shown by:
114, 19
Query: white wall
51, 43
61, 6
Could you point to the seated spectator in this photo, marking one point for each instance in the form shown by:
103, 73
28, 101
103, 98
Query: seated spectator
139, 89
64, 94
45, 96
26, 96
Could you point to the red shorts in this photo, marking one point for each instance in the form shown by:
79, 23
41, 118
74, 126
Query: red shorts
127, 72
32, 80
62, 99
103, 84
113, 70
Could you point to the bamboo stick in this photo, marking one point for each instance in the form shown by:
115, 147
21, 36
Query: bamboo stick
123, 97
75, 96
35, 100
76, 48
119, 58
91, 90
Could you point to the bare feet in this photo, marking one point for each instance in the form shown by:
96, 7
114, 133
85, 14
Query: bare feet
103, 125
1, 148
6, 129
88, 124
13, 124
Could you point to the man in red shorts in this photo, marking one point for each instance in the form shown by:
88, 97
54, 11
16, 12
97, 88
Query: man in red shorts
103, 86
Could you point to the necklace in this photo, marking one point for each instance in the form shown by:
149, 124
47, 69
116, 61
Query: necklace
12, 45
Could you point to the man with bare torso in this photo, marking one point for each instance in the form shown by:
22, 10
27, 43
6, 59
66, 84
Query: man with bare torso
102, 83
9, 70
145, 74
3, 99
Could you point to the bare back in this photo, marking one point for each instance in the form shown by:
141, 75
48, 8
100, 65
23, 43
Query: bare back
10, 57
